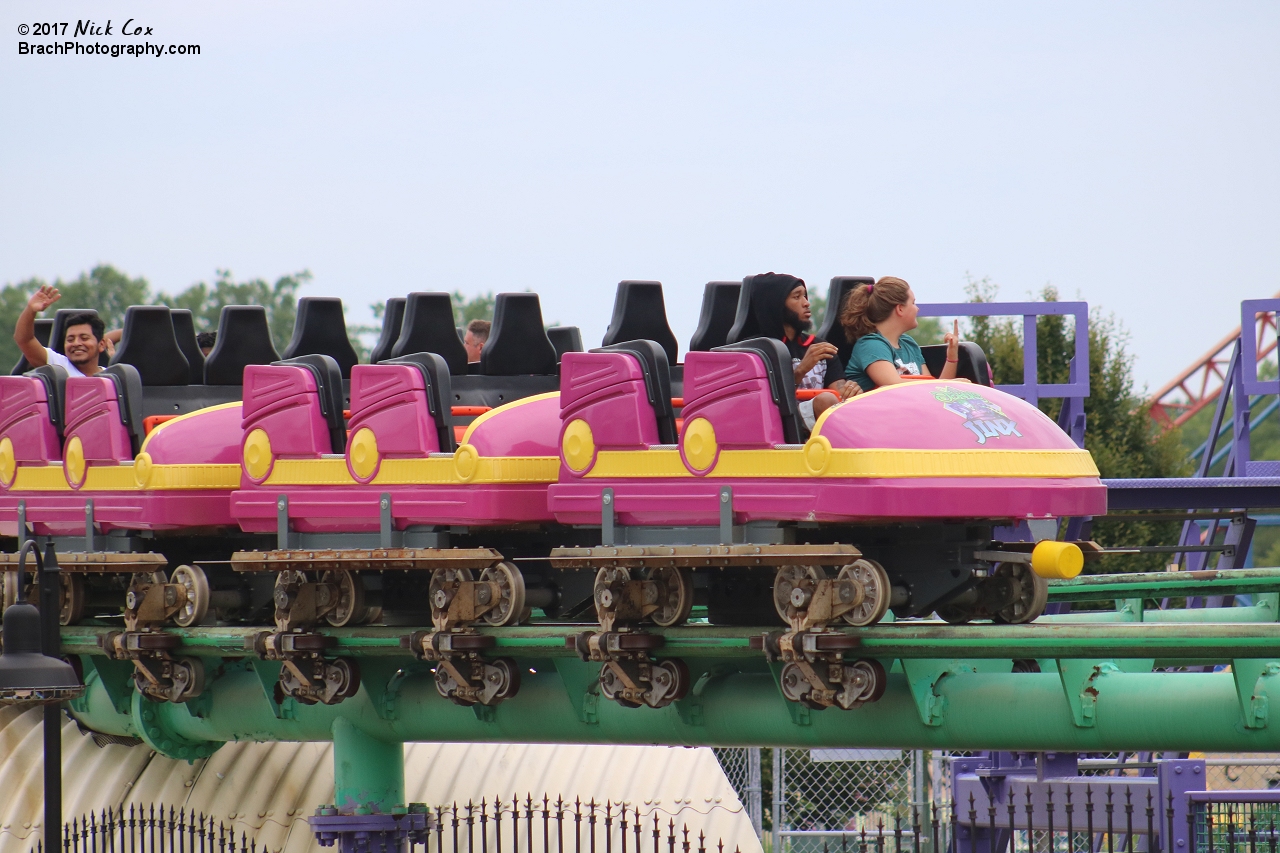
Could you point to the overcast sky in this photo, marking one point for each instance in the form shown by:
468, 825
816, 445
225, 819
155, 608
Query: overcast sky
1128, 154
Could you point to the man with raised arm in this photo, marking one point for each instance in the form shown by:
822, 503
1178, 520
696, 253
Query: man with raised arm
83, 340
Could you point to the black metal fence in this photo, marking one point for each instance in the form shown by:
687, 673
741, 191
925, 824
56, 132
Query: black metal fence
150, 829
490, 826
547, 826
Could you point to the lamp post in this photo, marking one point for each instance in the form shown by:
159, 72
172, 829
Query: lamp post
31, 673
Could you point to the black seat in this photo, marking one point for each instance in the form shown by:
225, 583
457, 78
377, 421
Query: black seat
428, 327
657, 382
320, 328
640, 314
744, 325
972, 366
184, 331
58, 336
43, 328
565, 339
719, 310
392, 319
782, 382
244, 338
128, 382
55, 388
328, 378
435, 371
149, 344
517, 345
831, 331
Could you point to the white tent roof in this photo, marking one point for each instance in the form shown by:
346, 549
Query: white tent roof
269, 789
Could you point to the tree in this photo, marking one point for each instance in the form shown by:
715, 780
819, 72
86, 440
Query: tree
1120, 433
280, 299
109, 291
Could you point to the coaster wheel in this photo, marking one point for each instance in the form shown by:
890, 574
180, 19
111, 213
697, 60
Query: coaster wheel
350, 609
510, 608
876, 592
1031, 594
196, 584
675, 596
787, 581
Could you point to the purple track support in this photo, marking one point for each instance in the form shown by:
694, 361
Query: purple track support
1178, 778
1249, 310
1031, 389
371, 833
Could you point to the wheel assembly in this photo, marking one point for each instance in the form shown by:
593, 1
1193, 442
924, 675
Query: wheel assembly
794, 588
350, 608
876, 592
675, 596
196, 585
1030, 594
508, 607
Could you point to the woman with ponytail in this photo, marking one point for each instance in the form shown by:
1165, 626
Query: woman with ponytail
876, 319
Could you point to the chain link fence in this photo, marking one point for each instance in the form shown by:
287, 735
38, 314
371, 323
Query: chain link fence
815, 800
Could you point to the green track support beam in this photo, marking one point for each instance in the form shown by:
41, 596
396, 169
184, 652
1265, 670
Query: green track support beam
975, 710
368, 773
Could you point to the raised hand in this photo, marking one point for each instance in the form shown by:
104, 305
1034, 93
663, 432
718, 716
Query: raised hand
43, 298
952, 339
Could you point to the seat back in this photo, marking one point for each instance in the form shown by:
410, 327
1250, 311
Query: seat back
43, 327
291, 403
744, 325
518, 344
565, 339
606, 389
652, 358
244, 338
719, 310
104, 412
392, 319
640, 314
776, 361
732, 390
149, 344
320, 328
972, 366
31, 414
428, 327
184, 332
830, 329
406, 402
328, 378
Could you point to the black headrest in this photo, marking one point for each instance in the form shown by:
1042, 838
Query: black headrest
517, 344
830, 330
392, 318
719, 310
184, 331
320, 328
972, 366
55, 388
744, 319
128, 384
329, 382
657, 382
58, 336
439, 393
43, 328
149, 344
640, 314
428, 327
782, 382
565, 339
244, 338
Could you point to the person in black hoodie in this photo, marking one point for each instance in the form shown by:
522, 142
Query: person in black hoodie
780, 305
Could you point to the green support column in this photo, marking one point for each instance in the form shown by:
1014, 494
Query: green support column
368, 774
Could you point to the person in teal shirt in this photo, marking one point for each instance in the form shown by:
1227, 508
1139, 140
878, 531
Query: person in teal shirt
877, 317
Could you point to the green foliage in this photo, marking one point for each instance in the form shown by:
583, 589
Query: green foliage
1120, 433
929, 331
206, 302
110, 291
466, 309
